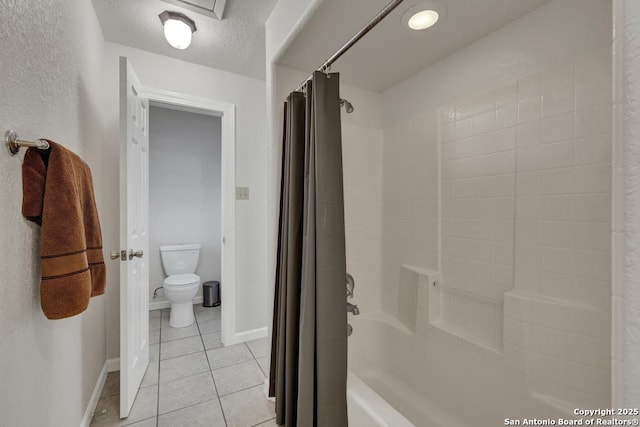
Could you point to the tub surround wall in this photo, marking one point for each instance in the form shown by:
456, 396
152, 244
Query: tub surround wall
362, 161
559, 146
477, 188
410, 201
184, 190
362, 139
51, 88
520, 121
545, 164
626, 219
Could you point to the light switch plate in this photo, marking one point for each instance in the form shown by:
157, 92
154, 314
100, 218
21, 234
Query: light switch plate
242, 193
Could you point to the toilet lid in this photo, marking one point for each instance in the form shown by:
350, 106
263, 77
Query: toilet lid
181, 279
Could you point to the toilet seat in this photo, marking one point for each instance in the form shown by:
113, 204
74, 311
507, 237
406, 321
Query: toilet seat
178, 281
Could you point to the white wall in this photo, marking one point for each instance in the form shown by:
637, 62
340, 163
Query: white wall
184, 190
51, 87
248, 95
520, 121
286, 20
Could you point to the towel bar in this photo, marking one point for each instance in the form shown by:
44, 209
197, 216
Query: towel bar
13, 142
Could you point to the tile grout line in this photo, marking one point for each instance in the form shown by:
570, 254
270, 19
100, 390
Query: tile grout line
224, 418
218, 396
262, 422
250, 351
159, 351
232, 364
181, 355
186, 376
181, 338
186, 407
256, 360
263, 372
243, 389
135, 422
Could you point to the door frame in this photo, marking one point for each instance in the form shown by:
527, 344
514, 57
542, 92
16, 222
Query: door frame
226, 111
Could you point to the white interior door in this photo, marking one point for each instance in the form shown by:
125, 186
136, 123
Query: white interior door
134, 236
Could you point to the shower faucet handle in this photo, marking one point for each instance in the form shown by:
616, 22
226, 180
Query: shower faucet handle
351, 284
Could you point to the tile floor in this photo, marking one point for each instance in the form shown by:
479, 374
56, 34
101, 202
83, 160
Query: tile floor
192, 380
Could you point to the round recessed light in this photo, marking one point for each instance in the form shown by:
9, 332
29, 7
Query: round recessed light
423, 15
423, 19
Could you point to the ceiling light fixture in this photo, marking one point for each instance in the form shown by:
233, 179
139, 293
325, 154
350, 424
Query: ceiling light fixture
178, 29
423, 19
423, 15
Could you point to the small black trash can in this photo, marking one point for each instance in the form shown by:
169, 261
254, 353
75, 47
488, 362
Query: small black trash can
211, 294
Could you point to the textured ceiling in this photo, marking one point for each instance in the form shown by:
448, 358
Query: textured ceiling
392, 52
235, 44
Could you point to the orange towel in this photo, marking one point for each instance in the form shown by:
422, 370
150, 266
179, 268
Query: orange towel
58, 195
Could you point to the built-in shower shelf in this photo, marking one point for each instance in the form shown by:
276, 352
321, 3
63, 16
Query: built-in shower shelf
423, 297
488, 294
413, 292
473, 317
465, 335
424, 272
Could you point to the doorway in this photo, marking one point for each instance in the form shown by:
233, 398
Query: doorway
184, 193
225, 113
135, 102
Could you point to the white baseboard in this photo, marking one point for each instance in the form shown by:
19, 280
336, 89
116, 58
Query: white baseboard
164, 303
113, 365
95, 396
158, 305
252, 334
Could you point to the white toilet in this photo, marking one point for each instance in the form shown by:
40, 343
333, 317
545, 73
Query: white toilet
181, 285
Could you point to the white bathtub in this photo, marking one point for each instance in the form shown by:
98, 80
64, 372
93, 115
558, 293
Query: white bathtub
375, 395
368, 409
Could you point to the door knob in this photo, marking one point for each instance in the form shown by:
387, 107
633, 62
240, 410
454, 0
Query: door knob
138, 254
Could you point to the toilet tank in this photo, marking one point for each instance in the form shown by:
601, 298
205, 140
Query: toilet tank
180, 259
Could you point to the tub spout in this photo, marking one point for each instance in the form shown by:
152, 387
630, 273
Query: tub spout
353, 309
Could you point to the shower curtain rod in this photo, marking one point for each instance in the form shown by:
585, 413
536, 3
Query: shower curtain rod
375, 21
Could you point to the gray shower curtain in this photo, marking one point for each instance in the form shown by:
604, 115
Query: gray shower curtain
308, 374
